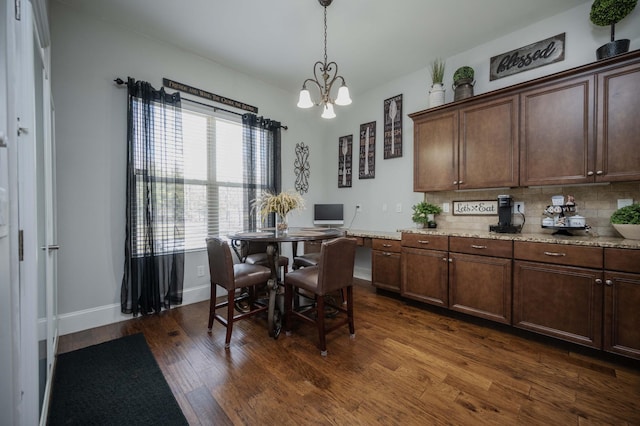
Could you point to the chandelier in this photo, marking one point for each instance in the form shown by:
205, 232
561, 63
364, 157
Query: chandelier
325, 75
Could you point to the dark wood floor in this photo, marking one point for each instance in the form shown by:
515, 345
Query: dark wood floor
407, 365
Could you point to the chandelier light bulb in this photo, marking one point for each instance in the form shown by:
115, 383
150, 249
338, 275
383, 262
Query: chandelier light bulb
328, 111
304, 101
343, 96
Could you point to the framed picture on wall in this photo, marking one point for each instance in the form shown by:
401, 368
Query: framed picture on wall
345, 150
393, 127
367, 164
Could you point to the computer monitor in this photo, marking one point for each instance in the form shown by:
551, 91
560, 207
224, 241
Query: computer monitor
328, 214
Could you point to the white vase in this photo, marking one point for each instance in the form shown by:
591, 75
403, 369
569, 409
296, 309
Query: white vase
436, 95
630, 232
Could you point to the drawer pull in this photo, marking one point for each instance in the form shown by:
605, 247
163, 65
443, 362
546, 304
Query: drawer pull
551, 253
385, 253
478, 247
608, 282
423, 241
386, 245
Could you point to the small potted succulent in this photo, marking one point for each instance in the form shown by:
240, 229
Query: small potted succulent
626, 220
436, 94
610, 12
463, 83
423, 214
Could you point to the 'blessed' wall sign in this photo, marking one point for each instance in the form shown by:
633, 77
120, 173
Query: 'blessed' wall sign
535, 55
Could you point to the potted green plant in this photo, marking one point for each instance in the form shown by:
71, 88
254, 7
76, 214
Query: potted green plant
626, 220
610, 12
423, 214
436, 94
463, 83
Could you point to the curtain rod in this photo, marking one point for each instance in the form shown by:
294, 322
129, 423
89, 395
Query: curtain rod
120, 82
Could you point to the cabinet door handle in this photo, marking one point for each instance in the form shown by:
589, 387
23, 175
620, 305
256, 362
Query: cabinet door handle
599, 172
450, 260
599, 281
444, 259
550, 253
423, 241
478, 247
608, 282
455, 182
589, 173
460, 182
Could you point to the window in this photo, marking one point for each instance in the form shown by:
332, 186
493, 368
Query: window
216, 167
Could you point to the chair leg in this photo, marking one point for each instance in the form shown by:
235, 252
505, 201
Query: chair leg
320, 324
212, 309
288, 302
230, 306
352, 329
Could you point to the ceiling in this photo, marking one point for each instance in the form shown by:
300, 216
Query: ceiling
278, 41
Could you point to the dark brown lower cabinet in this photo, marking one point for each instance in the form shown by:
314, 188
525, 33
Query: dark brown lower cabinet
385, 264
424, 275
559, 301
480, 286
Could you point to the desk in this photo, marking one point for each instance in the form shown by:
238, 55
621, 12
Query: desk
273, 238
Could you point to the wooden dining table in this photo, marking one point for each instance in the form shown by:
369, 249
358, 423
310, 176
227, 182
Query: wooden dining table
273, 238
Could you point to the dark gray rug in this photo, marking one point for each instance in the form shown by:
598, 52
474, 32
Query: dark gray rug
114, 383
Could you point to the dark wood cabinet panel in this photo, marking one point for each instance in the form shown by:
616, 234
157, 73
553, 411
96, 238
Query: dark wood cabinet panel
622, 314
618, 127
556, 133
435, 152
481, 286
424, 275
559, 301
385, 264
489, 150
624, 260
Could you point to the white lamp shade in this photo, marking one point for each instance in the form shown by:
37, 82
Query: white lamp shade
328, 111
304, 101
343, 96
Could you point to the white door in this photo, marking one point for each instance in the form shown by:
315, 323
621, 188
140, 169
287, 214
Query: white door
36, 202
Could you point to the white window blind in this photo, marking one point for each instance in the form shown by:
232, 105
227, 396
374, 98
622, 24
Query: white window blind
214, 174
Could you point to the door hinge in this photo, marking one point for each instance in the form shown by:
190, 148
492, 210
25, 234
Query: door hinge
21, 245
18, 6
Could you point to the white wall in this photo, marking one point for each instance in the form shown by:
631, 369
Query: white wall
88, 54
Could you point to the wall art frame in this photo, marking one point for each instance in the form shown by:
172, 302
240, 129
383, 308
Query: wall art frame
345, 161
393, 111
367, 164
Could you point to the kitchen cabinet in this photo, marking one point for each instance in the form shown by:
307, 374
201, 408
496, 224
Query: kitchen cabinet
475, 146
385, 264
480, 277
425, 265
618, 127
621, 301
558, 291
557, 144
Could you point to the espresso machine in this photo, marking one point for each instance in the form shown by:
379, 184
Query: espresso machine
504, 225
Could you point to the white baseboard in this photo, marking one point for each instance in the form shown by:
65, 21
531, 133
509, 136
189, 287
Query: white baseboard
103, 315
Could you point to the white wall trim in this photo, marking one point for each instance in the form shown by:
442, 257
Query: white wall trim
109, 314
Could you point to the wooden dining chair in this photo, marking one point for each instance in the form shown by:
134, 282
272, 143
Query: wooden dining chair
232, 277
333, 272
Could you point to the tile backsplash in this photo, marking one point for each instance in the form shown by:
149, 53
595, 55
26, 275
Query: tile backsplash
596, 202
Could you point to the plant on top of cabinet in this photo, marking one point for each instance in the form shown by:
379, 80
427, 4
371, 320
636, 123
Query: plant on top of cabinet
610, 12
423, 214
463, 83
436, 94
626, 220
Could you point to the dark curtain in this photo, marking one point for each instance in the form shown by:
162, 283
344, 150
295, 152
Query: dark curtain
154, 241
261, 140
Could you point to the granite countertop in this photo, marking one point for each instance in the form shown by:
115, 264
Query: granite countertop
578, 240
